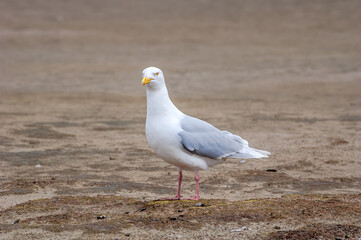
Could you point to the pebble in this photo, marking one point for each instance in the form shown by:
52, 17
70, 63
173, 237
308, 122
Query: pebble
199, 204
101, 217
239, 229
277, 227
127, 234
16, 221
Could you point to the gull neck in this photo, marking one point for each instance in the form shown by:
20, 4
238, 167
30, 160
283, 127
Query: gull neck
159, 103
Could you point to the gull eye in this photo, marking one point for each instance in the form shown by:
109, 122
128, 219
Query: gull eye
157, 73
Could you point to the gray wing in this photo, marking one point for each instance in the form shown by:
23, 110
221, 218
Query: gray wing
202, 138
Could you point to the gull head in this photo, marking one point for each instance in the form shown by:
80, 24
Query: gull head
153, 78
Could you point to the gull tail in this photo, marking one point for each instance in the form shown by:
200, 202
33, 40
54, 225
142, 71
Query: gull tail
250, 153
266, 153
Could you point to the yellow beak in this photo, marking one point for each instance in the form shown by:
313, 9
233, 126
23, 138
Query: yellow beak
146, 80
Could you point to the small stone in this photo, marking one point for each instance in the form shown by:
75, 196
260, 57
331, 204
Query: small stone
239, 229
277, 227
15, 221
127, 234
101, 217
199, 204
180, 210
38, 166
126, 212
172, 218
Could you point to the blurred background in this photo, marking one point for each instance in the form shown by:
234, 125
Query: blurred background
102, 46
283, 74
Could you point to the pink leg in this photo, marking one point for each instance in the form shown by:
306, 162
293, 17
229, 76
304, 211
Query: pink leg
180, 177
178, 196
196, 178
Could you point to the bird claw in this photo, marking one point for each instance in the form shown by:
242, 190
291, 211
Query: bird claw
171, 199
196, 198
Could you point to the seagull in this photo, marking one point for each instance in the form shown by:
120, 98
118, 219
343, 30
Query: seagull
184, 141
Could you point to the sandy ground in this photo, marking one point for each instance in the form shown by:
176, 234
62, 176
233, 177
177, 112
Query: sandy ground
285, 75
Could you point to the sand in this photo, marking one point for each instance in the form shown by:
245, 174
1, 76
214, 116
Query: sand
285, 75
